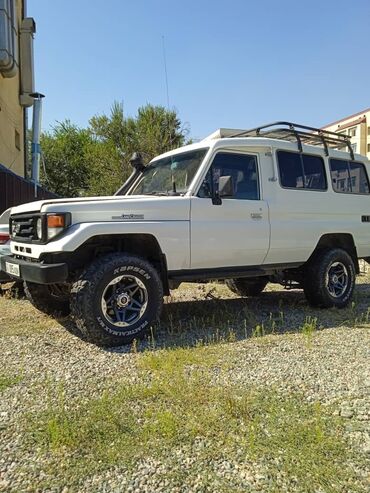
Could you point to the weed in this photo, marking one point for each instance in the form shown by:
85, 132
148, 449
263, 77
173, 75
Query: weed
8, 381
258, 331
309, 328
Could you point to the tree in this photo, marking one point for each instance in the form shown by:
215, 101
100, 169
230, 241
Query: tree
110, 157
158, 130
64, 152
95, 160
153, 131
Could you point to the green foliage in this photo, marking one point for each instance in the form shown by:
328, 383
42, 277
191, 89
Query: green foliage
64, 153
158, 130
154, 130
8, 381
95, 160
309, 328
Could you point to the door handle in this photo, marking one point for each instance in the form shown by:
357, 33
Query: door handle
256, 215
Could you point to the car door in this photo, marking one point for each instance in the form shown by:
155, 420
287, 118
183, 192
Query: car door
234, 230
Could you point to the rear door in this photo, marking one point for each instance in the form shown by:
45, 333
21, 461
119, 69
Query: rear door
236, 232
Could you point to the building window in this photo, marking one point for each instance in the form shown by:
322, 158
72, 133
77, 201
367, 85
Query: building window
301, 171
354, 147
352, 132
368, 130
349, 176
368, 147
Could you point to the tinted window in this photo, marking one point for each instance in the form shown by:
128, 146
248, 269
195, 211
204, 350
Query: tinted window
299, 170
359, 181
314, 172
348, 176
290, 169
340, 175
243, 170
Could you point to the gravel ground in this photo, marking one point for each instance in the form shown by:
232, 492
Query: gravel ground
331, 366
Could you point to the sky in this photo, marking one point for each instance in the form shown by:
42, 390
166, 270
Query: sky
233, 63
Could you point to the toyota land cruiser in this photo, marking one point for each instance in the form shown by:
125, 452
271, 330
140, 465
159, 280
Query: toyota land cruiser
282, 203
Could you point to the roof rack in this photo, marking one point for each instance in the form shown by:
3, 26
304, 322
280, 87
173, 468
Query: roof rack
300, 134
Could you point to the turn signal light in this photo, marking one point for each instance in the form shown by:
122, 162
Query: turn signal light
56, 221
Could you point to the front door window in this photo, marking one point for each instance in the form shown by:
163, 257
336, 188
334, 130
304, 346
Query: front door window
243, 170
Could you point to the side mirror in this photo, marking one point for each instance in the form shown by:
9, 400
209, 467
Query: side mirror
136, 161
226, 186
225, 189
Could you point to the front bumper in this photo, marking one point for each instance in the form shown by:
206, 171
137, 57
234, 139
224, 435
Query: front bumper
4, 277
36, 271
4, 250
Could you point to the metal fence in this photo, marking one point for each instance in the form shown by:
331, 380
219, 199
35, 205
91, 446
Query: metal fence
15, 190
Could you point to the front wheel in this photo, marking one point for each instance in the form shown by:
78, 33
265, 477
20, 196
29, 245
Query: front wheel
330, 279
116, 299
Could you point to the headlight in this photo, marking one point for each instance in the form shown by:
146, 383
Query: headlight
39, 228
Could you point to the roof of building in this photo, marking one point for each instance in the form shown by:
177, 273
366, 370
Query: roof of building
347, 118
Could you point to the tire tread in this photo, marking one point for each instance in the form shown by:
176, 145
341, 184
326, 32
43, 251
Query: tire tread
83, 290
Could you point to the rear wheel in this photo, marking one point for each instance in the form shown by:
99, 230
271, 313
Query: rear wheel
116, 299
330, 279
52, 299
247, 286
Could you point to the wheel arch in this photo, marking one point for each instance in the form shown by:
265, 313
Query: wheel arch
337, 240
144, 245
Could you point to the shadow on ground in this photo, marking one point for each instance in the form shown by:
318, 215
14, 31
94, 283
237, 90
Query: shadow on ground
218, 318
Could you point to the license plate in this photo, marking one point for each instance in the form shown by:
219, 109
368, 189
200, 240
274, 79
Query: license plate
12, 269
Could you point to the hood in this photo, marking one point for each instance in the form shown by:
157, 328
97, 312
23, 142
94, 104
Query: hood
114, 208
38, 205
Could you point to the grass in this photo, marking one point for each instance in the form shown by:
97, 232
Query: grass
211, 314
177, 407
19, 318
8, 381
184, 406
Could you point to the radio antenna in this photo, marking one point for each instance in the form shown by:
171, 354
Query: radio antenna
165, 72
168, 113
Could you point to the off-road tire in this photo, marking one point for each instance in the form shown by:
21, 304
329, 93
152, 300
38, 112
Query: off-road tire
44, 298
245, 286
88, 290
316, 276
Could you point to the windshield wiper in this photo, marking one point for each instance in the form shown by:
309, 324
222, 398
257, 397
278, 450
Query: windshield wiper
156, 193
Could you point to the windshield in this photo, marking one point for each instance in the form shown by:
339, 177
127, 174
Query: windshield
171, 175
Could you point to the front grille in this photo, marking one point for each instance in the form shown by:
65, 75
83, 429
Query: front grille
23, 227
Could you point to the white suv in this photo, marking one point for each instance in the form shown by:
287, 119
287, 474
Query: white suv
282, 203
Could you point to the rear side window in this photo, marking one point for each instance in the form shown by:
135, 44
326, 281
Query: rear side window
301, 171
349, 176
359, 180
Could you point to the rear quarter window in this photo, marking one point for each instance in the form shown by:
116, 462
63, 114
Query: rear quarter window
349, 176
